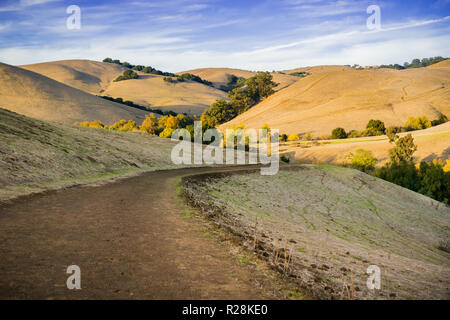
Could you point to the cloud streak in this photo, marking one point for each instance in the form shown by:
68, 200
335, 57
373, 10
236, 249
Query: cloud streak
177, 35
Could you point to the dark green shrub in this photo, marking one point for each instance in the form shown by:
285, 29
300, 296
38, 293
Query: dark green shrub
402, 173
376, 127
338, 133
127, 75
435, 183
403, 150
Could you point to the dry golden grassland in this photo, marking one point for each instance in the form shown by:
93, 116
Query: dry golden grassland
343, 97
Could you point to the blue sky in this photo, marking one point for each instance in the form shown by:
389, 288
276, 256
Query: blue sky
176, 35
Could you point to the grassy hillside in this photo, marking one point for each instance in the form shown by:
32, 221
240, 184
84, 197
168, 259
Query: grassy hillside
331, 223
431, 143
37, 155
37, 96
219, 76
149, 90
343, 97
319, 69
89, 76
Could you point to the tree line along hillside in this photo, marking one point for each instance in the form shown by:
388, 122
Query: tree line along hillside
241, 99
415, 63
168, 76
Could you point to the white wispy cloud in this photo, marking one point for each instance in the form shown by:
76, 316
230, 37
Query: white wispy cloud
176, 35
26, 3
22, 4
343, 35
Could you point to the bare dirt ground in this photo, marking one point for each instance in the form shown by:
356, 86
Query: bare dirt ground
132, 240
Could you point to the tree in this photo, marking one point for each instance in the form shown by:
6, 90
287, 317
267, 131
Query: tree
150, 124
435, 182
147, 70
354, 134
167, 133
240, 100
362, 160
293, 137
124, 125
168, 121
418, 123
376, 127
234, 82
283, 137
127, 64
402, 173
108, 60
219, 112
403, 150
260, 86
391, 133
442, 119
338, 133
92, 124
183, 120
127, 74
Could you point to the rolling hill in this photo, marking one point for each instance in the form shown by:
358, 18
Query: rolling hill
149, 90
90, 76
39, 97
343, 97
218, 76
38, 155
431, 143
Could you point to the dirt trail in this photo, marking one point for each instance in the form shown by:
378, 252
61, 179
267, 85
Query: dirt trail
129, 239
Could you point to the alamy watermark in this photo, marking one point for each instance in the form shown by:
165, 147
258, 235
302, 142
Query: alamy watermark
237, 146
374, 21
374, 279
74, 280
73, 22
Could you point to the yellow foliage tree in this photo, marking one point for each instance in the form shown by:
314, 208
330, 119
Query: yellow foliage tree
447, 166
124, 125
150, 124
418, 123
167, 132
92, 124
168, 121
293, 137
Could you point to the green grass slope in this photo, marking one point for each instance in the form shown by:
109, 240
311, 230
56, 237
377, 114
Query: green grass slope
333, 223
37, 155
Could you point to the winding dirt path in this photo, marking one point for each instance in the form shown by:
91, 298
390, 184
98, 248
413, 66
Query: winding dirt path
129, 238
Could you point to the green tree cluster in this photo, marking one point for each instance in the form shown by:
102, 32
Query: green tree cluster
430, 179
241, 99
134, 105
144, 69
127, 75
233, 82
415, 63
338, 133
